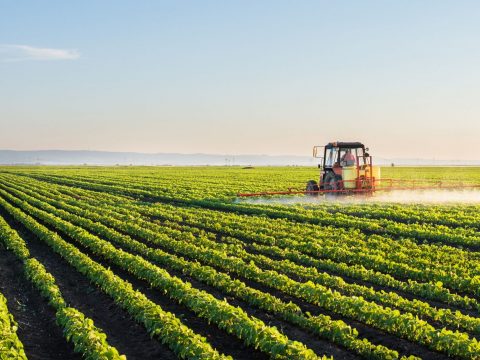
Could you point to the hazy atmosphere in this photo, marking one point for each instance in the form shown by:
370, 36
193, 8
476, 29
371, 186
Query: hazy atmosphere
269, 77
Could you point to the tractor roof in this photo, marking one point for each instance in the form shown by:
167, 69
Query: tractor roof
348, 145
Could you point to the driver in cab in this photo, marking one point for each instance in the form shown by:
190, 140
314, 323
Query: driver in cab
348, 159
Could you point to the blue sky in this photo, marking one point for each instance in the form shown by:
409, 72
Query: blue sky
241, 77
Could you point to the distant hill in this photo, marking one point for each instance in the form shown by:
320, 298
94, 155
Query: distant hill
65, 157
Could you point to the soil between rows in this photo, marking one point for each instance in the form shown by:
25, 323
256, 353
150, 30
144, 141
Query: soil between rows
42, 338
219, 236
435, 355
404, 347
222, 341
379, 337
318, 345
122, 331
399, 277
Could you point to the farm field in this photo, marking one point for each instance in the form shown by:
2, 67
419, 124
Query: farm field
167, 262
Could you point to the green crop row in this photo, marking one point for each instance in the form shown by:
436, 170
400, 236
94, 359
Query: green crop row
10, 345
435, 233
419, 269
416, 307
457, 278
233, 320
87, 339
164, 325
335, 331
292, 249
404, 325
408, 214
388, 298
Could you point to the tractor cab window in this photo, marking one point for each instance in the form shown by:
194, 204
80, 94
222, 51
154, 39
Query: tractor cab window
343, 152
331, 157
348, 157
363, 159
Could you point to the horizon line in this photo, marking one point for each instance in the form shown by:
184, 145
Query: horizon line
230, 155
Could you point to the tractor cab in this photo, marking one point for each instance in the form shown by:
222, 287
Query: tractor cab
337, 155
344, 167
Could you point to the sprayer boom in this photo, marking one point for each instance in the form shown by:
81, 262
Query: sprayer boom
346, 168
385, 185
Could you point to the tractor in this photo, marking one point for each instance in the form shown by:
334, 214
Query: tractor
345, 167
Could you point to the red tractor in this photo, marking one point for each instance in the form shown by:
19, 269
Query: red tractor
346, 167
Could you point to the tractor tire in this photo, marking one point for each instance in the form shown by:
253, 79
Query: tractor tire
332, 182
311, 186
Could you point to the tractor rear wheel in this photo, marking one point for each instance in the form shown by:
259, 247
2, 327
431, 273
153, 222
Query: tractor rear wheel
332, 182
311, 186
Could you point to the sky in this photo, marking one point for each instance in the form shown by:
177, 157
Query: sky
241, 77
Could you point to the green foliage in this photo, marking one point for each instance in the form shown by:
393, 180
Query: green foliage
10, 345
380, 265
86, 337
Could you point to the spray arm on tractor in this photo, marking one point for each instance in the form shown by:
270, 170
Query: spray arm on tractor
347, 168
